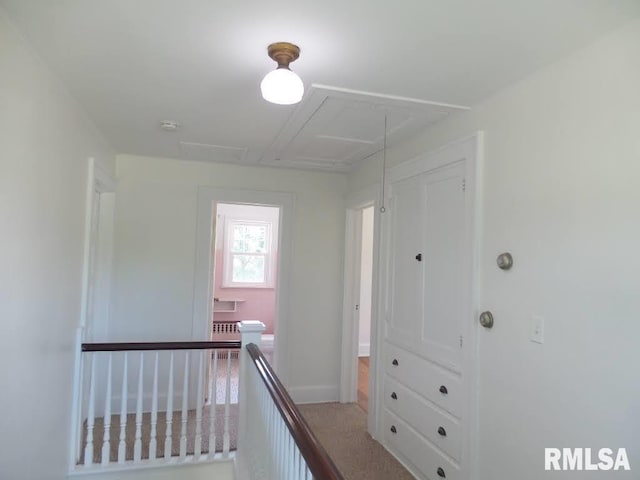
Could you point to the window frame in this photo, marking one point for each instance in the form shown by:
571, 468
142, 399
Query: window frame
229, 254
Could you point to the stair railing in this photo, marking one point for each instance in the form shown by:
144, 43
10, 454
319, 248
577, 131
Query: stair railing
275, 441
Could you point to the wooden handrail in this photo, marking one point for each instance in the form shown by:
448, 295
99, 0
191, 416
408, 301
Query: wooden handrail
126, 346
318, 461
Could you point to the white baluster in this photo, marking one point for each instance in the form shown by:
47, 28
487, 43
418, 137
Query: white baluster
212, 407
168, 440
122, 446
198, 440
226, 439
299, 464
153, 444
185, 407
137, 445
290, 461
106, 446
88, 449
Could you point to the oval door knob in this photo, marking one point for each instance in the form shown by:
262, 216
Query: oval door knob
395, 362
441, 473
442, 432
393, 429
394, 396
443, 390
486, 319
419, 257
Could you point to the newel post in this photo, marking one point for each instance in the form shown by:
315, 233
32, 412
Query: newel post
251, 332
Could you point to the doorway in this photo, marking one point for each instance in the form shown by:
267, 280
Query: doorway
244, 285
359, 344
206, 310
363, 308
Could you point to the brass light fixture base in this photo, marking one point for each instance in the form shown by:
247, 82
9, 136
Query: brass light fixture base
283, 53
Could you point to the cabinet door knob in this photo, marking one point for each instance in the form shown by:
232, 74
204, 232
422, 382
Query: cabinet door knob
393, 429
441, 473
395, 362
443, 390
394, 396
442, 432
419, 257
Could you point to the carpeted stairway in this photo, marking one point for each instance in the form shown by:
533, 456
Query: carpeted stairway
176, 426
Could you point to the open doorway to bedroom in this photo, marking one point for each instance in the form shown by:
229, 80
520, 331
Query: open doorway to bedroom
244, 281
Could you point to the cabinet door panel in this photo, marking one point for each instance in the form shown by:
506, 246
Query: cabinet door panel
406, 273
443, 214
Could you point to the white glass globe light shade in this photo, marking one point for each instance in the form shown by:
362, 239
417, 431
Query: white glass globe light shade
282, 86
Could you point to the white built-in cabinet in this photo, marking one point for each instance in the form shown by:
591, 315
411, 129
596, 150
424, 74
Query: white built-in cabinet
429, 331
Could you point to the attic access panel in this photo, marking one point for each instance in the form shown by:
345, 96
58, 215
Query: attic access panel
336, 129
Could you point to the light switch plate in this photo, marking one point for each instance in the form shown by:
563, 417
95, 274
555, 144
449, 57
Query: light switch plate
537, 329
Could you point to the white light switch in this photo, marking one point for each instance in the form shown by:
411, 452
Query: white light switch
537, 329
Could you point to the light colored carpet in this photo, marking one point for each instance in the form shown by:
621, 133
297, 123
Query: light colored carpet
176, 427
342, 431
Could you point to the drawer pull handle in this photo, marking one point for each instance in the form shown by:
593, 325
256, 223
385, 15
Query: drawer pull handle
442, 432
441, 473
393, 429
394, 396
419, 257
395, 362
443, 390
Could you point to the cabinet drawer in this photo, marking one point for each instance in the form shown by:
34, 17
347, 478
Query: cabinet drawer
414, 448
424, 377
443, 431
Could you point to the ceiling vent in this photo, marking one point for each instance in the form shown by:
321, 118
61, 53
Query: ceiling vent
204, 152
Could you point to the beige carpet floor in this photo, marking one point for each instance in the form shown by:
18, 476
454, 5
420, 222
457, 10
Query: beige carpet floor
342, 431
176, 427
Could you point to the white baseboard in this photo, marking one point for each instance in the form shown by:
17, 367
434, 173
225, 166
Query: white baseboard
315, 394
191, 469
363, 349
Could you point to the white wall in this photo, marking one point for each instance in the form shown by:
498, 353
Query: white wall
155, 253
366, 272
45, 140
562, 193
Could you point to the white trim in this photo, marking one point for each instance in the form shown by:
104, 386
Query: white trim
101, 181
470, 149
364, 349
350, 317
88, 215
355, 202
117, 471
314, 394
396, 98
203, 274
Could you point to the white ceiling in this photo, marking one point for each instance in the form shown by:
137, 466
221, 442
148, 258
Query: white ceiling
133, 63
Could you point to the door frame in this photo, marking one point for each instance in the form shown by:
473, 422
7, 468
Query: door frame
355, 203
98, 250
471, 149
204, 263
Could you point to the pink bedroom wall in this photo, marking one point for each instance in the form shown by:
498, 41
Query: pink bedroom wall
259, 304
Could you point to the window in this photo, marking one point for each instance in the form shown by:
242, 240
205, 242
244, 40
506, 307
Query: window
248, 259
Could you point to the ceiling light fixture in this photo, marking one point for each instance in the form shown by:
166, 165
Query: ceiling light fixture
282, 86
